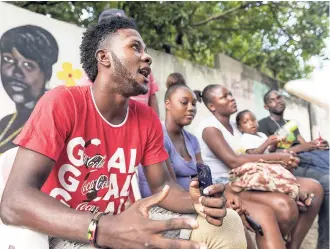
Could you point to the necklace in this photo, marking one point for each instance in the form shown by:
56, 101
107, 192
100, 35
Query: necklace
11, 136
278, 125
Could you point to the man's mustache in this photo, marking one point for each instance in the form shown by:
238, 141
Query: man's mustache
11, 81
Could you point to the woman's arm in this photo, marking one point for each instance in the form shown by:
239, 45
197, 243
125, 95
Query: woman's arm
199, 158
218, 145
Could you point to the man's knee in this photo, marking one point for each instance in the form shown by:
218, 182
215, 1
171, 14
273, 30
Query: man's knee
230, 235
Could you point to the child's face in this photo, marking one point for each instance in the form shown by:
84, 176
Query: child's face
248, 123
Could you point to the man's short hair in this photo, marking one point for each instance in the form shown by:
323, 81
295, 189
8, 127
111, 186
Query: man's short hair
266, 96
95, 36
34, 43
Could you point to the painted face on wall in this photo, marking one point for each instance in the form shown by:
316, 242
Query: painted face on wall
22, 78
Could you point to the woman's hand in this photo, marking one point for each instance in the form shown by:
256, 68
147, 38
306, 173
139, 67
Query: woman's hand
235, 203
289, 159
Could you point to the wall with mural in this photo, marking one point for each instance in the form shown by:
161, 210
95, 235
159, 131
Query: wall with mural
39, 53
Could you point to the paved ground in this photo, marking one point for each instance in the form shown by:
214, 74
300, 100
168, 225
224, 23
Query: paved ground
311, 238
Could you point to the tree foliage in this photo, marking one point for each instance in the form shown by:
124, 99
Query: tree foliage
277, 38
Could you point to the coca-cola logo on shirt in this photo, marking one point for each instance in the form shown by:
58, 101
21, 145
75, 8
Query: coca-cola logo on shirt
95, 162
86, 207
91, 187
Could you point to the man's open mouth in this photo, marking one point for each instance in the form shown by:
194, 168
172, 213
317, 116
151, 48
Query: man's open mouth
145, 71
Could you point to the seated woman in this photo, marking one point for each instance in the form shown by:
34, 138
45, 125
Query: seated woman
277, 213
184, 152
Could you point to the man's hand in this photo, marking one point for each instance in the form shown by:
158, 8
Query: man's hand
320, 144
235, 203
132, 229
212, 208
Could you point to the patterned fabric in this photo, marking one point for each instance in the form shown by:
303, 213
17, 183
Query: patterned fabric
264, 177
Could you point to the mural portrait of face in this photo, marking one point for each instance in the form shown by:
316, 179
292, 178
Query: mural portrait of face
27, 56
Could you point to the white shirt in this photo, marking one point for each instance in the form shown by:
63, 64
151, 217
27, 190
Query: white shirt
253, 141
218, 168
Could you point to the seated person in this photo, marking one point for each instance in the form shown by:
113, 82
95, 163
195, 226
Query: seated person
78, 152
255, 142
221, 149
314, 157
318, 159
183, 148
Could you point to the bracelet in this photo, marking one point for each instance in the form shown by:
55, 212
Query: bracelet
92, 229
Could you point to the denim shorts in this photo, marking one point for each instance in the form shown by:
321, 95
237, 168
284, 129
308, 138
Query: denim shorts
223, 180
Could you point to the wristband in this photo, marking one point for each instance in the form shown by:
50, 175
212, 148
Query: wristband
92, 229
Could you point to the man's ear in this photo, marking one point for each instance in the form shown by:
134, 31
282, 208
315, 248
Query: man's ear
103, 57
167, 104
266, 107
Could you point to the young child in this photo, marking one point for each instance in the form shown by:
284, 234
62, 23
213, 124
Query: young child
255, 142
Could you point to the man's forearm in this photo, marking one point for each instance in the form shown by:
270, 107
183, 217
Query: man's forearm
298, 148
30, 208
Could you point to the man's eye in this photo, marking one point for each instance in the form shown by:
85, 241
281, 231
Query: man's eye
28, 65
8, 59
136, 47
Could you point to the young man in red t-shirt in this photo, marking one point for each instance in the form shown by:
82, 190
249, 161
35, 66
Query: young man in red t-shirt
80, 146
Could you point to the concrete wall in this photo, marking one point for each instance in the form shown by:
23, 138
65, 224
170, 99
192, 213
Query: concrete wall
247, 84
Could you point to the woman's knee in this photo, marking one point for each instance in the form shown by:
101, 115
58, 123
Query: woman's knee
286, 210
230, 235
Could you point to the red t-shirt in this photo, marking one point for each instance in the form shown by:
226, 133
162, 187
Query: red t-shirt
94, 160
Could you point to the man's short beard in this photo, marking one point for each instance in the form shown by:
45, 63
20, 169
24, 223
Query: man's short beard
126, 84
278, 112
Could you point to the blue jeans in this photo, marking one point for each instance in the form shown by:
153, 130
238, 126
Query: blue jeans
322, 176
318, 159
